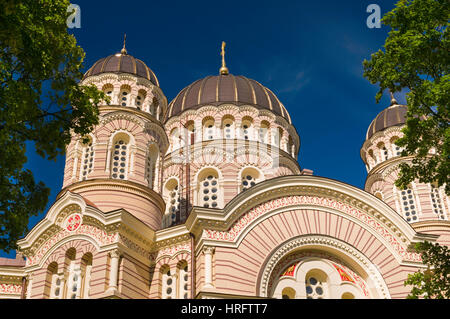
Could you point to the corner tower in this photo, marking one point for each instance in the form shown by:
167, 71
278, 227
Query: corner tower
120, 165
419, 203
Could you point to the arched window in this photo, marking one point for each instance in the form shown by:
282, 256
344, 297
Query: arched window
86, 268
291, 147
316, 285
318, 278
288, 293
172, 195
208, 129
371, 159
140, 99
263, 132
249, 177
382, 151
247, 128
175, 138
53, 283
385, 153
378, 194
108, 89
189, 133
168, 285
150, 166
437, 203
208, 190
124, 95
409, 205
396, 150
228, 128
347, 295
74, 279
183, 279
87, 159
120, 156
278, 136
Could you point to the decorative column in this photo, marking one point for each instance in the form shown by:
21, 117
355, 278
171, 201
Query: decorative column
114, 270
208, 251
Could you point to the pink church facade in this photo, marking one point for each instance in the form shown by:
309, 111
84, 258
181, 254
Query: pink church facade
203, 197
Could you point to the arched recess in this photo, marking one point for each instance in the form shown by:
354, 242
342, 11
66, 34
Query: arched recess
319, 267
285, 208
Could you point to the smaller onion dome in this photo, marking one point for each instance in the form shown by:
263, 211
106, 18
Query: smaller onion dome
394, 115
122, 63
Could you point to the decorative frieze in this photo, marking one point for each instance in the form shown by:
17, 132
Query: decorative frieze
246, 219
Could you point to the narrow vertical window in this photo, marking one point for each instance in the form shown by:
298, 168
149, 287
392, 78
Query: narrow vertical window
249, 178
150, 167
124, 96
140, 99
209, 191
263, 132
228, 128
119, 160
168, 284
172, 193
183, 281
86, 268
208, 129
436, 202
409, 205
87, 160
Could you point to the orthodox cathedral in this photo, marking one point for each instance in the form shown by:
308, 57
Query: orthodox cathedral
203, 197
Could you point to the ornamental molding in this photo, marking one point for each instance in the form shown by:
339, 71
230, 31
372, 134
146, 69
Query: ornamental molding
102, 231
223, 108
304, 242
11, 279
137, 248
120, 114
87, 232
170, 251
246, 222
106, 77
10, 289
374, 139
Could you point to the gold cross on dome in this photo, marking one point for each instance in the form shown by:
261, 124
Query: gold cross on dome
223, 69
124, 50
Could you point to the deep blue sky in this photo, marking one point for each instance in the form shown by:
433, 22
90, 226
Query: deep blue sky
309, 53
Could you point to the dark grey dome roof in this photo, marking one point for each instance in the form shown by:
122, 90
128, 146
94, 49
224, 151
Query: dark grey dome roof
226, 88
122, 63
391, 116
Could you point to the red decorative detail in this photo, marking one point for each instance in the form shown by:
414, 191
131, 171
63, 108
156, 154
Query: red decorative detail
289, 271
343, 274
73, 222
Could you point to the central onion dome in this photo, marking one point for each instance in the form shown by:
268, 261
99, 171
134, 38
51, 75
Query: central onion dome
226, 88
394, 115
122, 63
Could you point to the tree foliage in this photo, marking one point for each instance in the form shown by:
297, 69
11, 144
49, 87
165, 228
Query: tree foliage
433, 283
416, 58
41, 103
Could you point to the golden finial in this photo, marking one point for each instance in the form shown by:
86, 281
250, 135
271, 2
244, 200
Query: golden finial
124, 50
223, 70
393, 100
